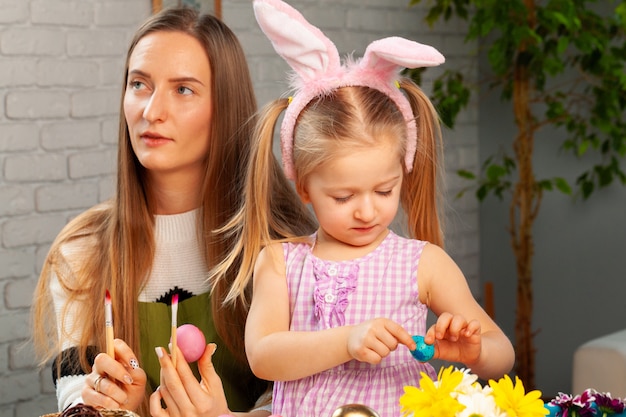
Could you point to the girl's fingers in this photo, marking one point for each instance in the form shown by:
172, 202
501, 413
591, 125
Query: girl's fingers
450, 327
429, 337
442, 325
400, 336
473, 328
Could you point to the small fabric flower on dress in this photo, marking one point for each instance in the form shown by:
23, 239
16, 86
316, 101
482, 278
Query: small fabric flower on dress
334, 282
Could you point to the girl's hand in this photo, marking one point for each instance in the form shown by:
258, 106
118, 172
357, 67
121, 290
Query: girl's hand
183, 394
455, 339
373, 340
115, 383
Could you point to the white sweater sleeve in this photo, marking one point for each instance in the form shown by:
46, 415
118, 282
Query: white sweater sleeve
69, 390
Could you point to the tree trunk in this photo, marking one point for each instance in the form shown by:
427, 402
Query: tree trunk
523, 211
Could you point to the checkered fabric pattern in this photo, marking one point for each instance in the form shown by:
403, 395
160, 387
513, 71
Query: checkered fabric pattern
325, 294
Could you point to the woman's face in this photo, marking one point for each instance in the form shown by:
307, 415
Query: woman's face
167, 104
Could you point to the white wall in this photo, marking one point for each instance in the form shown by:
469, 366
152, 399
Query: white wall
60, 78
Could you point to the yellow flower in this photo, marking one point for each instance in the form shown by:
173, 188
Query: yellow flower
433, 399
514, 402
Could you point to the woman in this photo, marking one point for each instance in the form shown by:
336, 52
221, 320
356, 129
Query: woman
185, 125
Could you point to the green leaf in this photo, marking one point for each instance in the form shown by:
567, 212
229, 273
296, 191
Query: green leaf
509, 163
605, 175
481, 192
466, 174
450, 96
494, 172
582, 147
555, 110
545, 185
573, 61
563, 186
562, 45
559, 17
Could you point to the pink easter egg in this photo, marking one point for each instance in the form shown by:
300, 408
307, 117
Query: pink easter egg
190, 341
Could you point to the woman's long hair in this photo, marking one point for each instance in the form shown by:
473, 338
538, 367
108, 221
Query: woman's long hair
122, 229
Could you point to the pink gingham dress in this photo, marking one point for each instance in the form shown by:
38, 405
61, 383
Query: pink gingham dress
327, 294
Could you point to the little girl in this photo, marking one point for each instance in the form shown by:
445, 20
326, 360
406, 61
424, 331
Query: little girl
330, 310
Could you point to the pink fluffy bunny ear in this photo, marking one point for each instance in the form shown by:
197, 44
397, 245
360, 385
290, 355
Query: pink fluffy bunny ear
307, 51
305, 48
396, 53
317, 64
386, 58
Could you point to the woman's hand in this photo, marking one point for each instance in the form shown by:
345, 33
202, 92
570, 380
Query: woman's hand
115, 383
455, 339
183, 394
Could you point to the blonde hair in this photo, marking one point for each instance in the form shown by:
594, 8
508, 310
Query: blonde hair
336, 122
122, 228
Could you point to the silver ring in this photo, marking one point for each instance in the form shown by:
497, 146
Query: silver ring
96, 384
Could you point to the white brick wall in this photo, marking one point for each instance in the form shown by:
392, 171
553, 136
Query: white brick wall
60, 73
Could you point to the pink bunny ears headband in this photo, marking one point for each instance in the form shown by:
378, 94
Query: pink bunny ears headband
318, 68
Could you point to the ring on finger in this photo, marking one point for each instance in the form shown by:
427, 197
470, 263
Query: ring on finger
96, 384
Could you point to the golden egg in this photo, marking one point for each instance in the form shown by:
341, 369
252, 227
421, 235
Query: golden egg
354, 410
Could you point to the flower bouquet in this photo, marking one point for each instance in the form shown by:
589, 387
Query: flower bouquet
589, 403
457, 393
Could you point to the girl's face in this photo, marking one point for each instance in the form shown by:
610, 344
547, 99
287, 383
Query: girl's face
356, 195
167, 104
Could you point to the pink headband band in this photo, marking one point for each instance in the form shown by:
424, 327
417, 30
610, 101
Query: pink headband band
318, 69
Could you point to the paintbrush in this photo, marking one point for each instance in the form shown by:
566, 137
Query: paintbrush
174, 326
108, 324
